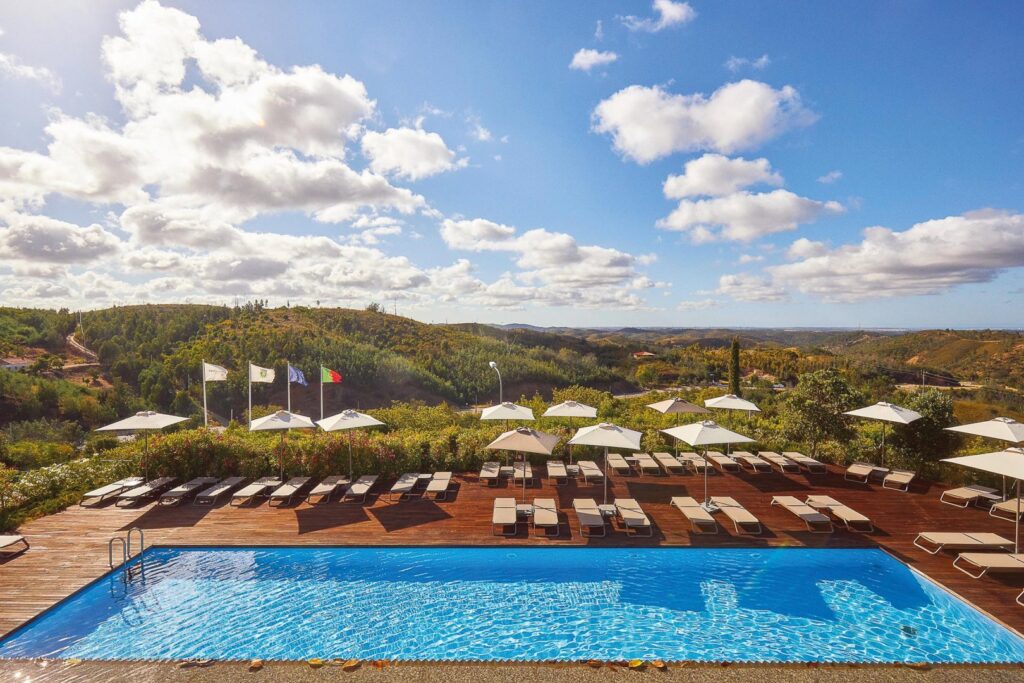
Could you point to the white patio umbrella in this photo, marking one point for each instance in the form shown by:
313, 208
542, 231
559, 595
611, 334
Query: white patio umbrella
1008, 463
732, 402
885, 412
570, 409
506, 411
282, 420
608, 436
348, 420
143, 421
525, 440
1001, 428
677, 406
706, 433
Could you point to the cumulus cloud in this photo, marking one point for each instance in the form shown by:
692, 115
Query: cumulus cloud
830, 177
735, 64
648, 123
715, 175
697, 305
747, 287
410, 153
803, 248
47, 240
668, 13
927, 258
12, 67
586, 59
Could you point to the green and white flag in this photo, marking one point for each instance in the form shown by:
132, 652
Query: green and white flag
258, 374
214, 373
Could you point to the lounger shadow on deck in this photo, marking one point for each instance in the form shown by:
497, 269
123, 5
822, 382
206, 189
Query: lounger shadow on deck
398, 516
160, 517
329, 516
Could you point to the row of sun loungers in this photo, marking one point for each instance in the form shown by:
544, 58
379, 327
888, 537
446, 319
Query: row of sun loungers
148, 491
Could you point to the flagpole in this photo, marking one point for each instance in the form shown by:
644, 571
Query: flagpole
206, 419
321, 392
249, 416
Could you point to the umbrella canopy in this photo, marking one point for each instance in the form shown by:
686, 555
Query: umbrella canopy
570, 409
1002, 428
348, 419
731, 402
706, 433
607, 435
506, 411
888, 412
525, 440
1008, 463
282, 419
677, 406
144, 419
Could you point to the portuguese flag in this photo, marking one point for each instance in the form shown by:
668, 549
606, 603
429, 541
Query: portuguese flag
328, 376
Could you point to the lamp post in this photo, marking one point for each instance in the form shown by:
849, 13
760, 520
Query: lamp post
501, 392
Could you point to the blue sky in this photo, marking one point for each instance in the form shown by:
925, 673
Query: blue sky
447, 158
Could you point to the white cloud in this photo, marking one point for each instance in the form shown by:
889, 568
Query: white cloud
830, 177
746, 287
715, 175
598, 30
409, 153
734, 63
669, 14
647, 123
750, 258
12, 67
743, 216
586, 59
803, 248
477, 129
47, 240
697, 305
928, 258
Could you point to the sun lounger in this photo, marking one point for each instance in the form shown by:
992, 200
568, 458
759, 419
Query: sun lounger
140, 494
899, 480
286, 492
633, 517
781, 462
325, 490
211, 495
590, 471
979, 564
700, 519
742, 520
490, 473
186, 490
7, 541
99, 495
933, 542
851, 519
504, 519
439, 485
696, 463
647, 464
1020, 599
1007, 509
861, 471
810, 464
260, 488
752, 462
589, 517
557, 472
618, 464
669, 463
815, 521
545, 517
973, 494
522, 471
360, 488
724, 462
405, 487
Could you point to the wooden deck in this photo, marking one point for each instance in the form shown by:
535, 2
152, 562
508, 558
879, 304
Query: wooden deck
69, 549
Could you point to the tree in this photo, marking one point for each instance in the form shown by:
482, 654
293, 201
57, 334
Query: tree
926, 439
815, 408
734, 367
373, 307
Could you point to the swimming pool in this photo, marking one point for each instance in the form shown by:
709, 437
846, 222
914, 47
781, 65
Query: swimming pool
778, 605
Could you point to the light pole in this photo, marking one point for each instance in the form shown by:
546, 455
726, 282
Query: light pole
501, 391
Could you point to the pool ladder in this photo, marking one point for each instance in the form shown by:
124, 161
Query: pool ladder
126, 552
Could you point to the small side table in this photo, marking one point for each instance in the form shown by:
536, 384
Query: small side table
607, 510
524, 510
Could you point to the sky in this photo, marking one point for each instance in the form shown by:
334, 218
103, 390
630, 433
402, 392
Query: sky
586, 164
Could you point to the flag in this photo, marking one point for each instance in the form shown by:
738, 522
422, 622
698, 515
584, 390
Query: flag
328, 376
214, 373
295, 375
258, 374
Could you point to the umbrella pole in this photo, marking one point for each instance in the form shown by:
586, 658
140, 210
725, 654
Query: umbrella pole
145, 455
707, 501
883, 445
350, 455
1016, 526
605, 477
524, 478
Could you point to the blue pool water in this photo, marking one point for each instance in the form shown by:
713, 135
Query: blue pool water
778, 605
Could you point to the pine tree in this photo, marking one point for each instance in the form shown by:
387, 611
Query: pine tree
734, 367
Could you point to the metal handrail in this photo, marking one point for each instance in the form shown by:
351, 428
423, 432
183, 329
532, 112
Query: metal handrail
110, 551
142, 541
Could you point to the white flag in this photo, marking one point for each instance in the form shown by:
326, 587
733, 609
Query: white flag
258, 374
214, 373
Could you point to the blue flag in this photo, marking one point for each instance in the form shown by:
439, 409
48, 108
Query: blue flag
295, 375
